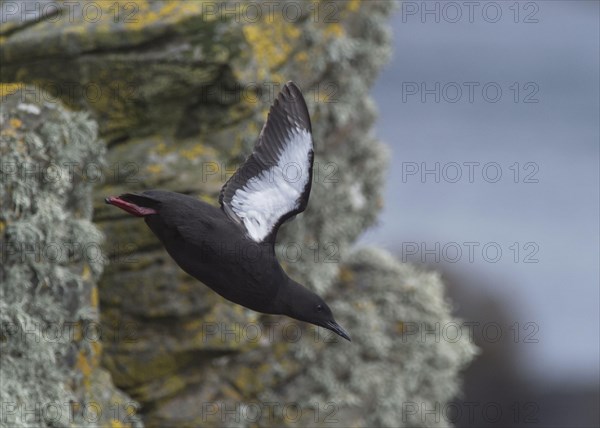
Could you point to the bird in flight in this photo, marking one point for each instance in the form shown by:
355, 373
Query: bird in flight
231, 249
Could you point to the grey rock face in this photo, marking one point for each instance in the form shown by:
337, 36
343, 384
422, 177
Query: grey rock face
50, 335
180, 93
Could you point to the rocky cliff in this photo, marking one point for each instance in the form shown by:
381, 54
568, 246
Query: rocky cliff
50, 331
179, 91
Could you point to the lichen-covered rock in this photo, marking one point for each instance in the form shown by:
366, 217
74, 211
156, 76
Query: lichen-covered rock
180, 91
50, 333
404, 360
119, 59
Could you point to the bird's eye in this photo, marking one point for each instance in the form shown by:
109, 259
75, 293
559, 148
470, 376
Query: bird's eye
319, 308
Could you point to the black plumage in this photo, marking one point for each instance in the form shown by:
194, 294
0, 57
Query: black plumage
231, 249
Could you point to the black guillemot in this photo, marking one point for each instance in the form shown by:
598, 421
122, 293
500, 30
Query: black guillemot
209, 243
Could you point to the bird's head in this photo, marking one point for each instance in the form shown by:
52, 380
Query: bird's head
309, 307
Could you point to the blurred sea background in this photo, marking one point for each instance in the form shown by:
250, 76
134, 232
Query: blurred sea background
548, 290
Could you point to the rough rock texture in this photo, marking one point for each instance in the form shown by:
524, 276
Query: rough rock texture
51, 259
405, 361
180, 91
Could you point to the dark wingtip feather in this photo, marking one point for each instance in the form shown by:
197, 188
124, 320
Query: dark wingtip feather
287, 113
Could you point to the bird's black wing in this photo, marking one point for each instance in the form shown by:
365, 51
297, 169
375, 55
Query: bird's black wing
274, 182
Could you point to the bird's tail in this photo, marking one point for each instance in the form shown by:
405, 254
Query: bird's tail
136, 204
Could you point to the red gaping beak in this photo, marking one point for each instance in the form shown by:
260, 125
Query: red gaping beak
131, 208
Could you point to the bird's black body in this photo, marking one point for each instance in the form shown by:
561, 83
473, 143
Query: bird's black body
205, 243
231, 249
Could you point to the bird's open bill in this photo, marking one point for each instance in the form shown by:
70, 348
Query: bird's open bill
336, 328
131, 208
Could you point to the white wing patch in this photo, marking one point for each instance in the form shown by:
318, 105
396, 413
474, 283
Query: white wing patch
274, 192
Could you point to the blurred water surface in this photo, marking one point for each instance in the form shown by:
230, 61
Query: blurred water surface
541, 133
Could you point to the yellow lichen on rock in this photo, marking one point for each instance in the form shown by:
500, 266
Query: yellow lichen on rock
271, 43
154, 168
353, 5
84, 367
15, 123
194, 152
9, 88
94, 295
144, 13
115, 423
346, 276
301, 57
334, 30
